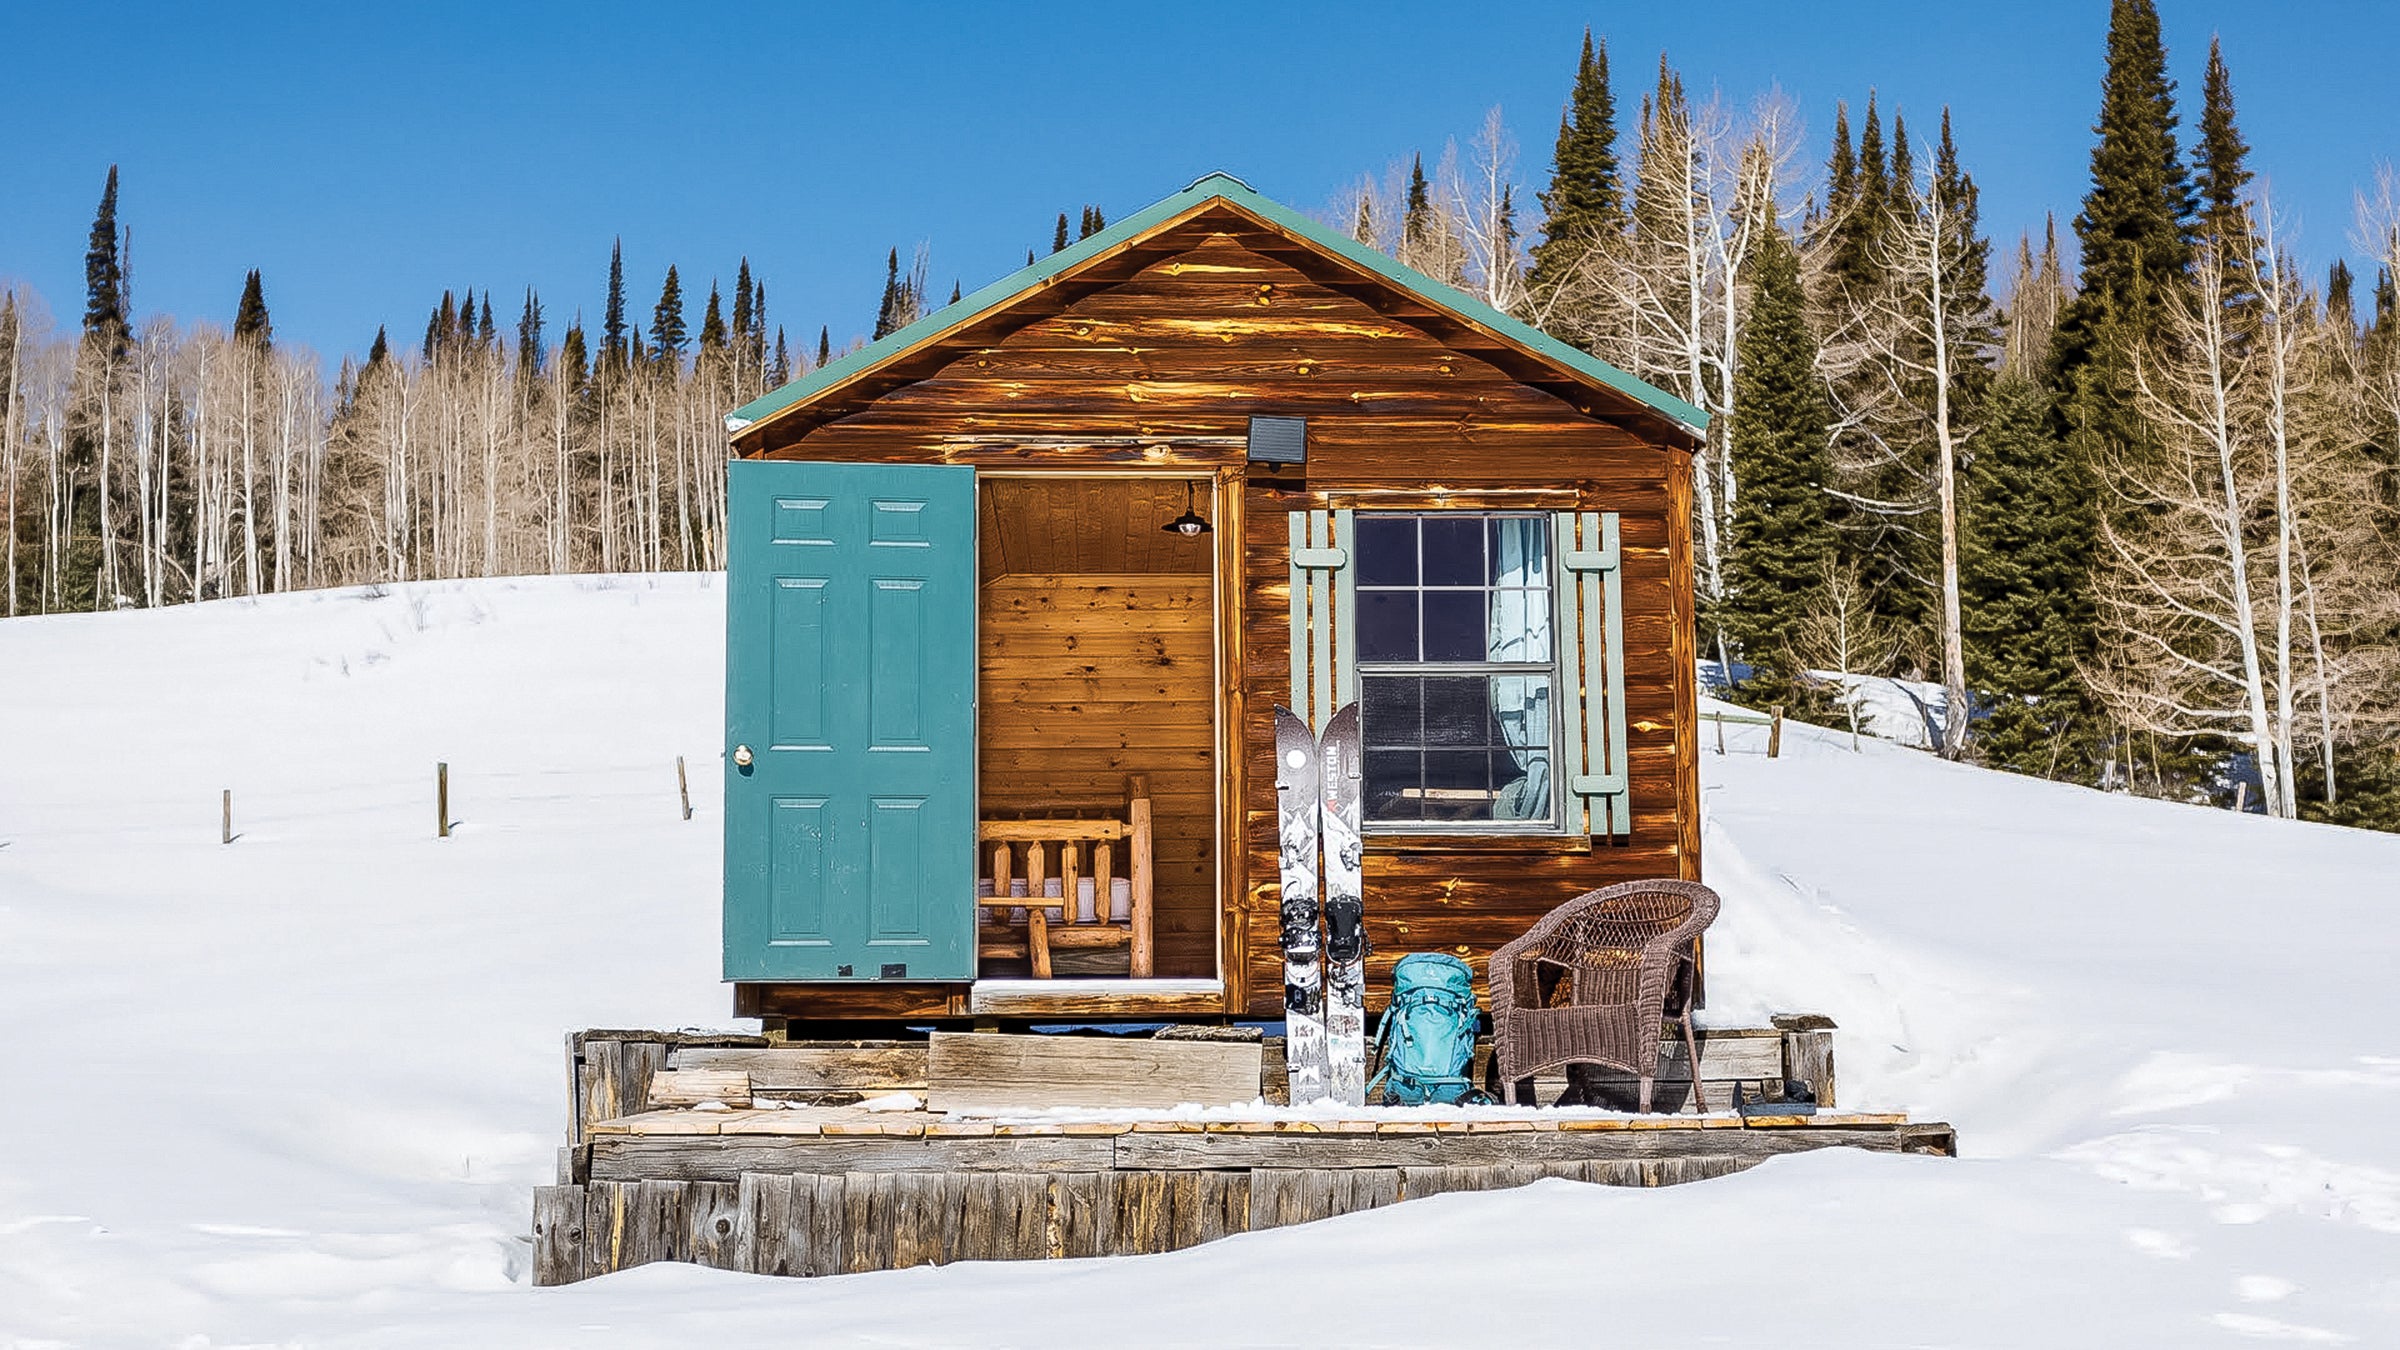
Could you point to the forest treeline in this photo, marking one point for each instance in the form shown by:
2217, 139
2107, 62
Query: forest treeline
2144, 504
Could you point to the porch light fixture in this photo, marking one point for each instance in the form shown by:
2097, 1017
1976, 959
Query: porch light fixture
1189, 524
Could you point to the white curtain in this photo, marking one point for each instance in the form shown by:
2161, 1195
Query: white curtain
1520, 631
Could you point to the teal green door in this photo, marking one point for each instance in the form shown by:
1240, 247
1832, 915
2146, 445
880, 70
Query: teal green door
850, 691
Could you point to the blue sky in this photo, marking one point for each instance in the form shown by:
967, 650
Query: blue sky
365, 157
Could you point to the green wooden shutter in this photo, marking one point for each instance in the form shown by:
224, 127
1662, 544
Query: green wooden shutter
1591, 673
1324, 597
850, 680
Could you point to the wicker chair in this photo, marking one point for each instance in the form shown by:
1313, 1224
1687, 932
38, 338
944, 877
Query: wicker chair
1615, 957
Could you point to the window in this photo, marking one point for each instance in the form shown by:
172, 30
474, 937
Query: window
1456, 672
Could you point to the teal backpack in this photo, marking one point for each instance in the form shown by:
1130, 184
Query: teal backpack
1427, 1039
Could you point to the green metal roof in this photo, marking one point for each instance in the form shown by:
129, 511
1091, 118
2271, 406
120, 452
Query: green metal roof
1216, 185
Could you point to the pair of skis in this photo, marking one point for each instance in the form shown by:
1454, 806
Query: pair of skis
1317, 782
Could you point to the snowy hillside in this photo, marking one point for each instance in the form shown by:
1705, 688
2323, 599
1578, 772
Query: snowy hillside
297, 1090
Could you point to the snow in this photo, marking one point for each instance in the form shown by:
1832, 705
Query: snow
296, 1091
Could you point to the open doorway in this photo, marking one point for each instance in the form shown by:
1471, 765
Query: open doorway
1097, 682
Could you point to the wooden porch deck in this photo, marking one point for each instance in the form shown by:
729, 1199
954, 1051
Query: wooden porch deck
800, 1180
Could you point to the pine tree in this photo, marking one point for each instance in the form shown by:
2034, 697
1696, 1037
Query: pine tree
2220, 167
1416, 218
487, 333
574, 358
1781, 547
2135, 230
955, 294
250, 323
1058, 238
824, 347
712, 323
380, 350
1586, 200
780, 373
529, 336
666, 321
888, 318
2025, 565
613, 352
104, 318
756, 348
2340, 306
744, 324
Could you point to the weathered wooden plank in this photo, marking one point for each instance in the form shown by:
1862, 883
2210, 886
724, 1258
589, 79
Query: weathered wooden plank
762, 1236
1075, 1225
778, 1070
690, 1087
711, 1219
1808, 1058
869, 1204
1165, 1151
1282, 1196
1122, 999
560, 1254
920, 1216
981, 1072
726, 1157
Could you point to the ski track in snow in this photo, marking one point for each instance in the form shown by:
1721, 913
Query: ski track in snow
296, 1091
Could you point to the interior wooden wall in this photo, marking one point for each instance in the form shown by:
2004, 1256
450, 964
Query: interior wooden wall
1089, 675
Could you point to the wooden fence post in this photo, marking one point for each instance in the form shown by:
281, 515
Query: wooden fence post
228, 830
1775, 734
441, 799
683, 787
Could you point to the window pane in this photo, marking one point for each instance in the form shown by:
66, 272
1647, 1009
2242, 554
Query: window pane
1387, 625
1457, 747
1454, 551
1390, 711
1387, 550
1458, 711
1391, 777
1455, 628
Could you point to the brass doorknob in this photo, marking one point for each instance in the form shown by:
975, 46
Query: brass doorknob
741, 756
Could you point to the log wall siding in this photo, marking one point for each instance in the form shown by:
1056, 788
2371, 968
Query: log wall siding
1162, 371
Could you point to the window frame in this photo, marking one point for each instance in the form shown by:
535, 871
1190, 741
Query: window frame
1555, 825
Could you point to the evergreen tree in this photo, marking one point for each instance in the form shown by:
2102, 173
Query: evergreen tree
955, 295
1058, 238
1029, 257
888, 318
1585, 205
2135, 229
666, 321
1416, 218
712, 323
250, 323
613, 352
487, 333
2340, 306
105, 320
2220, 159
744, 324
780, 373
574, 357
824, 346
380, 350
529, 336
757, 346
1781, 548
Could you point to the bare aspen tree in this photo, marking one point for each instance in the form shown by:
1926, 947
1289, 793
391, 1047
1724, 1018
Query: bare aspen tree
1841, 632
1896, 362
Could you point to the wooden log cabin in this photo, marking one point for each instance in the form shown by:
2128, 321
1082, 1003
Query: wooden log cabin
973, 662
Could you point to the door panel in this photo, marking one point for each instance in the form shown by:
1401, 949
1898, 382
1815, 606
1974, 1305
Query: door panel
850, 676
